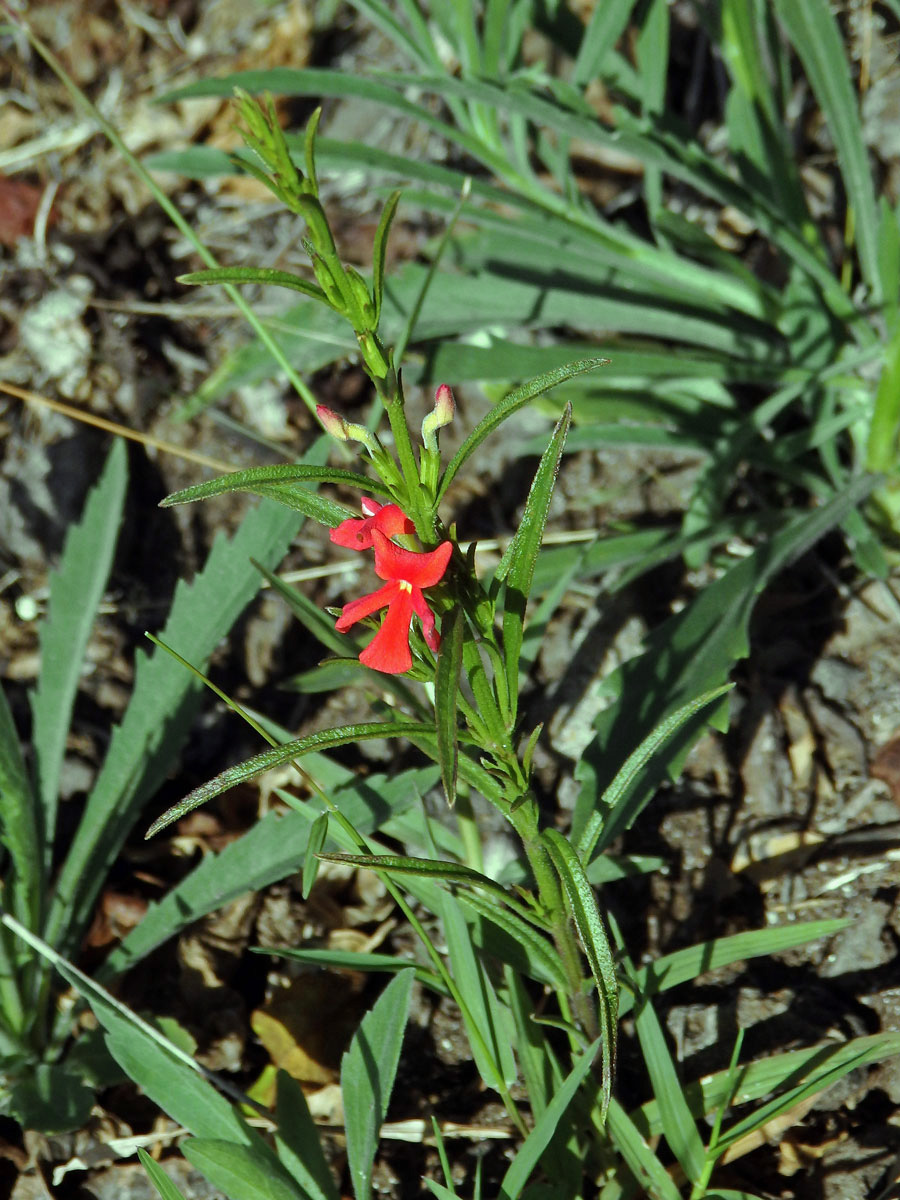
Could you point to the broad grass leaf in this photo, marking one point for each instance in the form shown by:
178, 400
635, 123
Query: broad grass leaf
324, 739
487, 1020
687, 656
242, 1172
51, 1099
179, 1091
820, 46
603, 29
643, 1163
683, 965
766, 1075
158, 1177
76, 589
529, 1153
368, 1070
164, 701
20, 833
677, 1123
297, 1141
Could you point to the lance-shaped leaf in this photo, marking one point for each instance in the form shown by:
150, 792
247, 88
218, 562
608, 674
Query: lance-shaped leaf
510, 404
586, 915
446, 695
368, 1070
379, 250
264, 275
285, 482
614, 813
516, 568
325, 739
429, 868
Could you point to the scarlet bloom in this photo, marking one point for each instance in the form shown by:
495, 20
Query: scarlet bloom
407, 573
388, 519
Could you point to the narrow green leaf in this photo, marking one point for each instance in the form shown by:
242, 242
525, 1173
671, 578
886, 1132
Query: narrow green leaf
19, 830
76, 590
764, 1076
352, 960
504, 935
262, 275
606, 24
683, 965
242, 1172
379, 250
286, 476
276, 755
819, 44
297, 1141
446, 695
367, 1077
583, 905
488, 1022
516, 567
510, 404
690, 654
428, 868
643, 1163
529, 1153
317, 836
608, 819
678, 1125
158, 1177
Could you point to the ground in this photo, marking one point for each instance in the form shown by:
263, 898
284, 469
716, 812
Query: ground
791, 815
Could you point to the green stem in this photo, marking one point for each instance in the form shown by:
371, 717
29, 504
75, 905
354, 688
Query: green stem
524, 821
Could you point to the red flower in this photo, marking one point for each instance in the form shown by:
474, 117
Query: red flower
407, 573
388, 519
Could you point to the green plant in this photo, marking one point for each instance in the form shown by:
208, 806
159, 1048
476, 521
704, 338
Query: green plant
789, 376
41, 1086
536, 932
547, 930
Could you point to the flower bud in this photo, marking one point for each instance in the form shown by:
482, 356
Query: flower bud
440, 415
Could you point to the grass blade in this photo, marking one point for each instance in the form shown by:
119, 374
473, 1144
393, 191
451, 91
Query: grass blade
158, 1177
821, 48
20, 833
163, 702
367, 1076
529, 1153
76, 590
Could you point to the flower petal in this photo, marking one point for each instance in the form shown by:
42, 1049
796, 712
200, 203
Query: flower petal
426, 619
365, 606
420, 569
389, 650
356, 533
